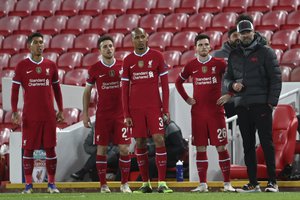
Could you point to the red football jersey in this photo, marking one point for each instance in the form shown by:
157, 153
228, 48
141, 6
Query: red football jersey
207, 80
37, 78
107, 79
143, 72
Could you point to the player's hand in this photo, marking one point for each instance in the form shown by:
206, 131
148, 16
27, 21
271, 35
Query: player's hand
191, 101
15, 118
59, 116
128, 122
166, 118
86, 121
237, 87
223, 99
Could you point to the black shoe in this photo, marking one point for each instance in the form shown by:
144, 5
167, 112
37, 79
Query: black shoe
79, 175
272, 187
249, 188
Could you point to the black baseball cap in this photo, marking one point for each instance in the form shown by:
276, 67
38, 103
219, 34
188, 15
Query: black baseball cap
244, 25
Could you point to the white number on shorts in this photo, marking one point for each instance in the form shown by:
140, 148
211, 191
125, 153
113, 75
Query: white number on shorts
222, 134
161, 122
124, 132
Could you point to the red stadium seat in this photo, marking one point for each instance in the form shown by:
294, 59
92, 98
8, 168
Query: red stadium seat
85, 43
4, 60
159, 40
15, 59
284, 137
13, 43
47, 8
94, 7
291, 58
151, 22
61, 43
237, 6
61, 75
257, 16
70, 60
287, 5
215, 38
117, 7
294, 46
24, 8
292, 21
120, 55
189, 6
279, 54
165, 7
127, 44
70, 7
1, 40
295, 75
125, 23
182, 41
272, 20
141, 7
198, 22
285, 73
54, 24
117, 38
186, 57
90, 59
101, 24
212, 6
30, 24
4, 136
262, 5
77, 24
174, 22
173, 74
9, 24
7, 73
172, 58
76, 77
7, 123
2, 112
284, 39
222, 22
268, 34
51, 56
71, 116
6, 6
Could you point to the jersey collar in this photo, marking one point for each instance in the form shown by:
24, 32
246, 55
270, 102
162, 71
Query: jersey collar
141, 55
106, 65
35, 61
209, 58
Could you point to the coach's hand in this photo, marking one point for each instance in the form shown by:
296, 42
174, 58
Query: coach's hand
128, 122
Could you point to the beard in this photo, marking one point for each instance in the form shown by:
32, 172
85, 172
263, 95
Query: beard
235, 43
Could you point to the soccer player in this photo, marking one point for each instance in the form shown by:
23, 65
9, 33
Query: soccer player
143, 109
39, 79
109, 126
208, 119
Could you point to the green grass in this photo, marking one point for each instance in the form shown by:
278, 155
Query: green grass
154, 196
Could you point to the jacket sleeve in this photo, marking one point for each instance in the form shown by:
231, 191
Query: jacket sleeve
228, 76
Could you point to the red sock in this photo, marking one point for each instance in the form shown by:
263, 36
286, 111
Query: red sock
28, 165
202, 165
101, 164
224, 162
143, 163
161, 162
124, 163
51, 162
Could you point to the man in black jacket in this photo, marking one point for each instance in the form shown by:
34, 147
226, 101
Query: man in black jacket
254, 76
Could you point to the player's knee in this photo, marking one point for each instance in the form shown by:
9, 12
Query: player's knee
221, 148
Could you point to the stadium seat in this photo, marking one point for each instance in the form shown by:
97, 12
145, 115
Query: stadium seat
215, 38
291, 58
7, 123
4, 60
76, 77
61, 75
15, 59
125, 23
292, 21
51, 56
173, 74
262, 5
174, 22
101, 24
71, 116
141, 7
212, 6
222, 22
4, 136
257, 16
285, 73
117, 7
30, 24
159, 40
198, 22
189, 6
117, 38
94, 7
237, 6
70, 60
120, 55
268, 34
165, 7
1, 40
8, 24
295, 75
47, 8
272, 20
151, 22
13, 43
90, 59
284, 137
284, 39
6, 6
294, 46
287, 5
172, 58
279, 53
2, 112
186, 57
127, 44
70, 7
24, 8
61, 43
182, 41
77, 24
85, 43
54, 24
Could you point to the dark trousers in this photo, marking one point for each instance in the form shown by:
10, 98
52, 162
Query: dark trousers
257, 116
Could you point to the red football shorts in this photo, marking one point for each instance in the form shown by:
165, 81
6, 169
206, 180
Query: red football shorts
36, 135
209, 129
146, 122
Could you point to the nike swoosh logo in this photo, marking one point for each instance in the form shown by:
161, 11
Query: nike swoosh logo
132, 66
28, 72
194, 72
160, 129
101, 75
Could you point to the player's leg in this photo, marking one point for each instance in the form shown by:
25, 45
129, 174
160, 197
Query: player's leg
51, 162
28, 168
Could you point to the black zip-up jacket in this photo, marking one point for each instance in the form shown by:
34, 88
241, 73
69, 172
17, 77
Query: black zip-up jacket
256, 66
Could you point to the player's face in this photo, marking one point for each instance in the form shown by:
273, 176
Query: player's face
107, 49
247, 37
36, 46
139, 40
203, 47
234, 39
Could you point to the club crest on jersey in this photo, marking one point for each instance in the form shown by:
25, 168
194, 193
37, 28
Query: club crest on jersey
112, 73
204, 69
150, 63
213, 69
47, 71
141, 63
38, 70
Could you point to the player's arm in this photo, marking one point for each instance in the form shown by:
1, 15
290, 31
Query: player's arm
86, 101
165, 96
125, 82
179, 86
14, 102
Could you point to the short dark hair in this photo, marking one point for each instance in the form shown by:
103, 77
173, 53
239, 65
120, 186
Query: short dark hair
35, 34
105, 37
201, 37
242, 17
231, 30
